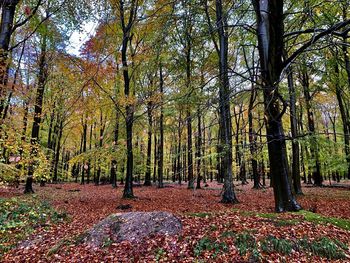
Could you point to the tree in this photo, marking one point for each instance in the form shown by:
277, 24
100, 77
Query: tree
271, 49
42, 78
127, 22
225, 124
6, 27
270, 44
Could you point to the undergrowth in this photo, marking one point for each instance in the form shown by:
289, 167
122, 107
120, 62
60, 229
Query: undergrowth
20, 216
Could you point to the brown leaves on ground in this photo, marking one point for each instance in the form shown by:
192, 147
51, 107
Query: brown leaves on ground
209, 227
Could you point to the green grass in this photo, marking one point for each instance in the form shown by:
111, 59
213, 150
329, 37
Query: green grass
228, 234
245, 242
267, 215
271, 244
324, 247
308, 216
20, 216
319, 219
208, 244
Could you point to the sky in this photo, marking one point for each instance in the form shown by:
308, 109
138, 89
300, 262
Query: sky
79, 37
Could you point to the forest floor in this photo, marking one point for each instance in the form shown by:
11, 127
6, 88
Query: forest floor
212, 232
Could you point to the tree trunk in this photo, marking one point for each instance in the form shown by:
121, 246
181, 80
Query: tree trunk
52, 119
42, 77
115, 147
8, 8
294, 131
155, 156
225, 125
189, 153
58, 149
161, 132
89, 161
129, 108
178, 165
149, 146
270, 17
84, 150
199, 149
203, 146
344, 117
252, 141
100, 144
316, 174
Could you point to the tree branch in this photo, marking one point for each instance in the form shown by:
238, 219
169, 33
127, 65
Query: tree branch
314, 39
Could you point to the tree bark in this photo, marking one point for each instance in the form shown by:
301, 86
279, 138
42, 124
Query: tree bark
316, 173
84, 149
344, 116
129, 108
252, 141
294, 131
190, 152
149, 146
42, 77
225, 125
199, 149
100, 144
178, 165
155, 157
270, 17
8, 8
57, 152
161, 131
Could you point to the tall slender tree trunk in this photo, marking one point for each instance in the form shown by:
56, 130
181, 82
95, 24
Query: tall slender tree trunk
84, 170
161, 131
190, 152
42, 77
347, 69
269, 14
52, 120
294, 131
178, 165
316, 174
100, 144
57, 152
344, 116
173, 152
189, 117
225, 125
8, 8
219, 173
129, 108
237, 148
199, 149
149, 146
252, 141
204, 168
25, 120
303, 149
184, 162
155, 157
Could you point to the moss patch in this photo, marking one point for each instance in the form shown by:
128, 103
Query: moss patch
319, 219
20, 216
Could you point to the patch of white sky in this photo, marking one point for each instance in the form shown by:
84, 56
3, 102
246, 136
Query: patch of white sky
79, 37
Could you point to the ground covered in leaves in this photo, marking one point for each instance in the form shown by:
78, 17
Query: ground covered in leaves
61, 214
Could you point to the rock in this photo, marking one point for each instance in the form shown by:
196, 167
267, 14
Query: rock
133, 227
